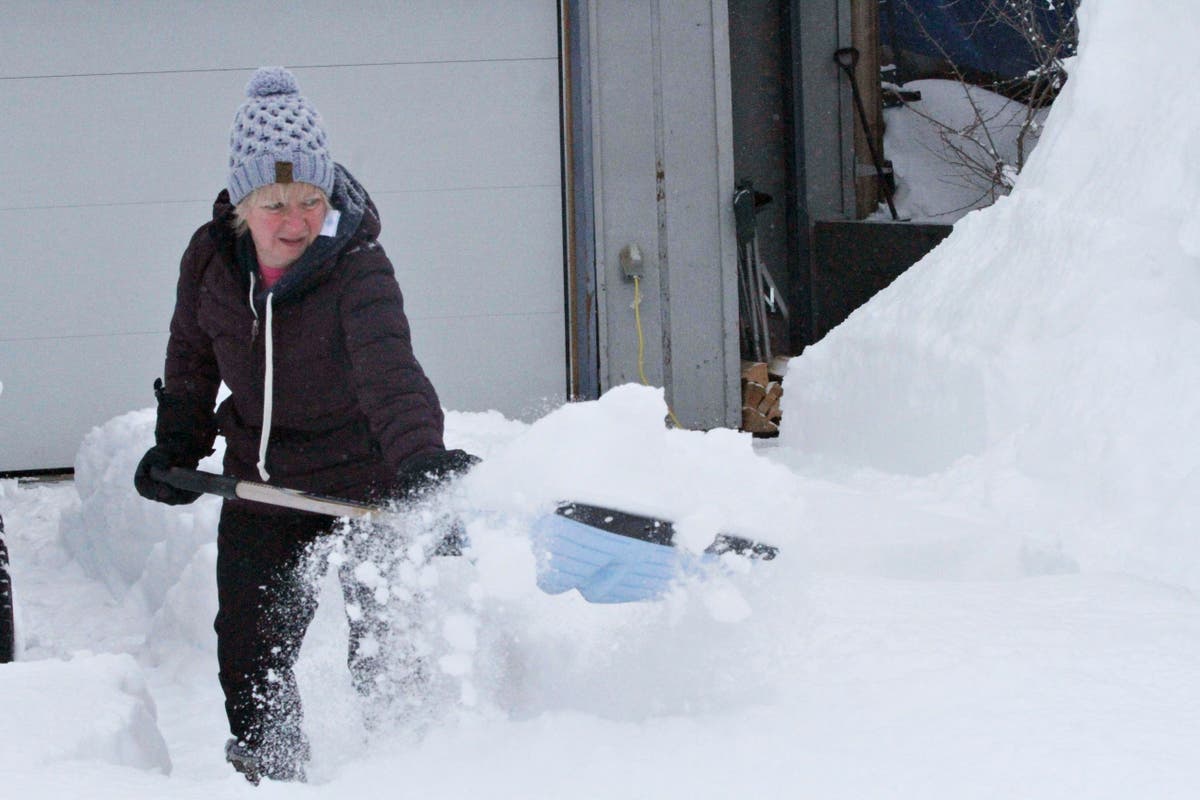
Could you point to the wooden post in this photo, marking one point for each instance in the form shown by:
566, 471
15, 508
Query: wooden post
864, 36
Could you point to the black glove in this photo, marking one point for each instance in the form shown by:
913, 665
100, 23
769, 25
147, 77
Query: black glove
183, 434
153, 489
431, 469
184, 427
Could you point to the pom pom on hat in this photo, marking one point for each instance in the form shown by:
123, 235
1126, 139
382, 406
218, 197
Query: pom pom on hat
272, 80
276, 125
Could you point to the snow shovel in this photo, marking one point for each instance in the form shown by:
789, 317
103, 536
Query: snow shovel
609, 556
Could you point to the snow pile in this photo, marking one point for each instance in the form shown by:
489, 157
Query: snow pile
1040, 363
618, 452
114, 723
117, 536
923, 139
499, 646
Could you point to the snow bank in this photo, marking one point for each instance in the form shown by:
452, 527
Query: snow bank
1042, 361
493, 635
183, 623
931, 185
618, 452
117, 536
111, 716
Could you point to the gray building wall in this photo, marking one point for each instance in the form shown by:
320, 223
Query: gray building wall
823, 141
661, 104
662, 179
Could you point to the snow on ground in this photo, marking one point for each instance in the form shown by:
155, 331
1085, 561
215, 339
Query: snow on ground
1041, 361
985, 495
932, 185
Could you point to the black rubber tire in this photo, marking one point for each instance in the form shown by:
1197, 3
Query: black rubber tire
7, 628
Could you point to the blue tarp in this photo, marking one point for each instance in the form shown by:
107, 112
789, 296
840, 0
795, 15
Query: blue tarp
968, 33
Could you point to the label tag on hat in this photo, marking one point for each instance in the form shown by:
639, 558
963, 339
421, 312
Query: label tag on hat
332, 217
283, 172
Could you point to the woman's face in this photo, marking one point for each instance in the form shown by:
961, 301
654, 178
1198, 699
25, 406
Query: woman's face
284, 219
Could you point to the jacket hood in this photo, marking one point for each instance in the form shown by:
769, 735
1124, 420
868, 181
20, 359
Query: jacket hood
359, 225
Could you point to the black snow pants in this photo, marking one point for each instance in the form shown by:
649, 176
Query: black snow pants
268, 568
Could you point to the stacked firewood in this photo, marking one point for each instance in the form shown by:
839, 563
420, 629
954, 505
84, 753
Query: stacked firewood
762, 389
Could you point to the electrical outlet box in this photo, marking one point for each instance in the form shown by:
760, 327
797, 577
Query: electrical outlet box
631, 261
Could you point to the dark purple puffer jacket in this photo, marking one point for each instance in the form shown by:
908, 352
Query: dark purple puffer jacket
350, 402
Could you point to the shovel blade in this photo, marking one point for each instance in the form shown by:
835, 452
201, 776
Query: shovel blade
612, 556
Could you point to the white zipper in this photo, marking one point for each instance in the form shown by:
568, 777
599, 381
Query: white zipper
268, 391
254, 311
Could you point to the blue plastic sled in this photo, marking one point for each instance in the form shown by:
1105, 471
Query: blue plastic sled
614, 557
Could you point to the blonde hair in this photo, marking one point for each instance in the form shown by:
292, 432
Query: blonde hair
271, 193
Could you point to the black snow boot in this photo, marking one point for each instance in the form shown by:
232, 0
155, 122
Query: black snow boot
256, 764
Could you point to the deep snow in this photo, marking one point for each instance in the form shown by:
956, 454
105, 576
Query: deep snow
923, 138
985, 493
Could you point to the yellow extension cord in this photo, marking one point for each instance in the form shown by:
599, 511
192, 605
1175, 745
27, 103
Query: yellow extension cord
641, 356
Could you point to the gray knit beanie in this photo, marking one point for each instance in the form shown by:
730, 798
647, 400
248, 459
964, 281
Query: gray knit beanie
276, 137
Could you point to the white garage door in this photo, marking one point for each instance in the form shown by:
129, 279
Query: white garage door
115, 128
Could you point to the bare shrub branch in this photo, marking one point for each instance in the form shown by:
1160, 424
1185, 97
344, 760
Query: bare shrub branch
1049, 29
